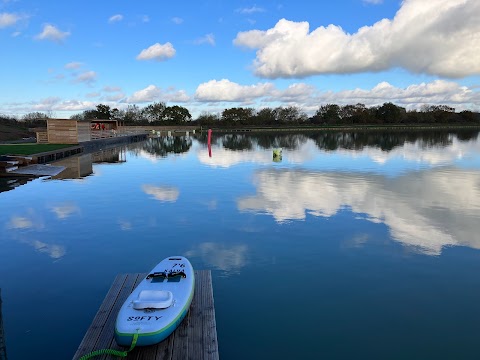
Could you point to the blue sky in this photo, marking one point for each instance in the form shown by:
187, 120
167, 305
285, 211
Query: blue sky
66, 57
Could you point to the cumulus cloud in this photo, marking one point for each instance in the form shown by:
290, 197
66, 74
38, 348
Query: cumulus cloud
73, 105
435, 92
8, 19
442, 218
115, 18
207, 39
87, 77
225, 90
177, 20
438, 37
51, 33
308, 97
153, 93
162, 193
157, 52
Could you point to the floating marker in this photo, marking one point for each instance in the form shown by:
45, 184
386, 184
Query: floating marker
277, 154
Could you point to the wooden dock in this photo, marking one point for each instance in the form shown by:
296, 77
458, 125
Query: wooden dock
37, 170
195, 338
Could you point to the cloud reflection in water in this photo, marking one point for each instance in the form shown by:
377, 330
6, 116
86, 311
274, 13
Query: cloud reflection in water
227, 258
162, 193
427, 210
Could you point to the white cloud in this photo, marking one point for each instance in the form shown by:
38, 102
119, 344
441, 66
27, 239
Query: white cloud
298, 92
225, 90
74, 105
145, 18
50, 32
438, 37
177, 20
8, 19
87, 77
309, 98
374, 2
153, 93
115, 18
250, 10
112, 88
73, 65
207, 39
157, 52
114, 97
435, 92
162, 193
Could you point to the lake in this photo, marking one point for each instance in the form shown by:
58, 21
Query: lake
349, 246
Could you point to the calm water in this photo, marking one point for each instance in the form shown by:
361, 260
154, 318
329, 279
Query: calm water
353, 246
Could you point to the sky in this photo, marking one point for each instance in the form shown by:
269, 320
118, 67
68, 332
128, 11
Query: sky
209, 55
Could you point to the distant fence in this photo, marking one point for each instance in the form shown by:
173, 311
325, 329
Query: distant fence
160, 128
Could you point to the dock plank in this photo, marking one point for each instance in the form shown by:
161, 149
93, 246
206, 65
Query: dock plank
90, 339
195, 338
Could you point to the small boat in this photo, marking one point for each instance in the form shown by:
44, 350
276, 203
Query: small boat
158, 304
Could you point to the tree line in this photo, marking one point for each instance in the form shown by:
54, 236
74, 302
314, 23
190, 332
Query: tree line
159, 113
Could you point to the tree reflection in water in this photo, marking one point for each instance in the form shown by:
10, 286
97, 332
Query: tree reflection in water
334, 140
163, 146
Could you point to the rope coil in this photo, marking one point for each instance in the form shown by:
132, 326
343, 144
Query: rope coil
114, 352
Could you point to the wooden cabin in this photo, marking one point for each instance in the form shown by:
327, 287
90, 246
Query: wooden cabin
70, 131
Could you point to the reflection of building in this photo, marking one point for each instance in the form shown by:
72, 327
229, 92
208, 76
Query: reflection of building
3, 347
75, 167
10, 183
81, 166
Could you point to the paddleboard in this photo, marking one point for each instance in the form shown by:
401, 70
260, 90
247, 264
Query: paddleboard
158, 304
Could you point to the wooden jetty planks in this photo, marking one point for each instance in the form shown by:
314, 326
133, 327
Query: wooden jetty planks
195, 338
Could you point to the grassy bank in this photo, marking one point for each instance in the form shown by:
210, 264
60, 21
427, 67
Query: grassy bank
14, 132
30, 149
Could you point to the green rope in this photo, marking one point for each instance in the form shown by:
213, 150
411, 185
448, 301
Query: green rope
111, 351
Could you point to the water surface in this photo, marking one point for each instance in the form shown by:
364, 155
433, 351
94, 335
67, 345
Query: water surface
353, 245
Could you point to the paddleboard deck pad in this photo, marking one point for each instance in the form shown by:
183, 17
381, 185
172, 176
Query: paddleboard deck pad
158, 304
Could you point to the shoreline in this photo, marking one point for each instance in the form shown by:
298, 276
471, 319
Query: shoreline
343, 128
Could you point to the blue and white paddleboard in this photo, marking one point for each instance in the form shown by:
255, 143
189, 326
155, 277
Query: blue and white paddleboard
158, 304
